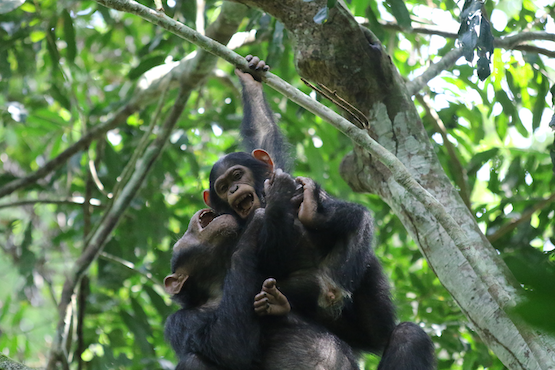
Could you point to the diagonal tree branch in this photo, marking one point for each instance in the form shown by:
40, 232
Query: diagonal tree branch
71, 201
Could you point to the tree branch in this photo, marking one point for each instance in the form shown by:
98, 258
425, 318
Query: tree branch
77, 201
449, 60
507, 228
434, 70
102, 234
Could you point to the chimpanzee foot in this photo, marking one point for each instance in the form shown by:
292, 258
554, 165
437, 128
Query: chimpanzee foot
270, 301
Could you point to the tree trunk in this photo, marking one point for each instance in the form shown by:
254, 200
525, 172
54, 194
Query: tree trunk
350, 60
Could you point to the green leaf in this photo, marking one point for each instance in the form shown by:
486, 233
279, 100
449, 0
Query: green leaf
36, 36
331, 4
479, 159
400, 12
69, 35
60, 97
158, 302
7, 6
552, 91
519, 126
321, 16
146, 65
27, 259
139, 331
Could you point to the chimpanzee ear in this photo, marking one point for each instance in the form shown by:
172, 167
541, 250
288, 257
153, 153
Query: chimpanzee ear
263, 156
174, 283
206, 196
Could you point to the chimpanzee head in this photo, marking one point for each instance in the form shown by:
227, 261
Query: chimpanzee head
203, 252
237, 183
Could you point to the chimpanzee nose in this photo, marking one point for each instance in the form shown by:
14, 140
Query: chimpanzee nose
234, 188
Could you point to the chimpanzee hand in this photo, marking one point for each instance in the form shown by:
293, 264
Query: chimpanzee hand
257, 67
308, 209
270, 301
280, 187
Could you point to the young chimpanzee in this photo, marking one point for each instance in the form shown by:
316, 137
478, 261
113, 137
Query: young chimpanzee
317, 247
215, 279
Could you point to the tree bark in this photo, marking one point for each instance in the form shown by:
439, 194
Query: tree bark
349, 59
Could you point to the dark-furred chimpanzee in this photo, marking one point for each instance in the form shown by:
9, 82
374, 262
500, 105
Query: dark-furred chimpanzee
318, 248
215, 280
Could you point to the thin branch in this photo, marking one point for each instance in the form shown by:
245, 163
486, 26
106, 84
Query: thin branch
508, 42
507, 228
422, 30
76, 201
434, 70
129, 265
535, 50
359, 136
458, 172
102, 234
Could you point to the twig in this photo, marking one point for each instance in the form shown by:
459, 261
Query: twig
95, 179
434, 70
340, 102
507, 228
71, 201
102, 234
458, 172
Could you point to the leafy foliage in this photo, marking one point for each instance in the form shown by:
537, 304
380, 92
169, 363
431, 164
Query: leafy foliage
66, 67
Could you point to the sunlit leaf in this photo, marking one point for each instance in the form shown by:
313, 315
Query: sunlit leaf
69, 35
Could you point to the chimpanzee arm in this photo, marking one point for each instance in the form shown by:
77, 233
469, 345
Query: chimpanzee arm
259, 129
278, 245
328, 216
231, 337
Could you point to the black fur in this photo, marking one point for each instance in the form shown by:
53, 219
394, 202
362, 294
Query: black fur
228, 335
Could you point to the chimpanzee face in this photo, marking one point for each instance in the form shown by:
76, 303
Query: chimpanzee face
236, 187
208, 242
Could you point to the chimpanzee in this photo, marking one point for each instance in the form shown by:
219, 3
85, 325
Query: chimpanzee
215, 279
317, 247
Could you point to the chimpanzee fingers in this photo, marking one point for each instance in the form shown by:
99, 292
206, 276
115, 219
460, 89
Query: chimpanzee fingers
253, 63
248, 58
306, 182
297, 200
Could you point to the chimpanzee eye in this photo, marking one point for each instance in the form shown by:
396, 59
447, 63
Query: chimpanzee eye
237, 174
222, 188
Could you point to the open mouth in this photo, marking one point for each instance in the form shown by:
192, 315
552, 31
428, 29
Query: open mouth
244, 204
206, 217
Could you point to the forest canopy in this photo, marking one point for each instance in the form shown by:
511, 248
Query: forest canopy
100, 171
